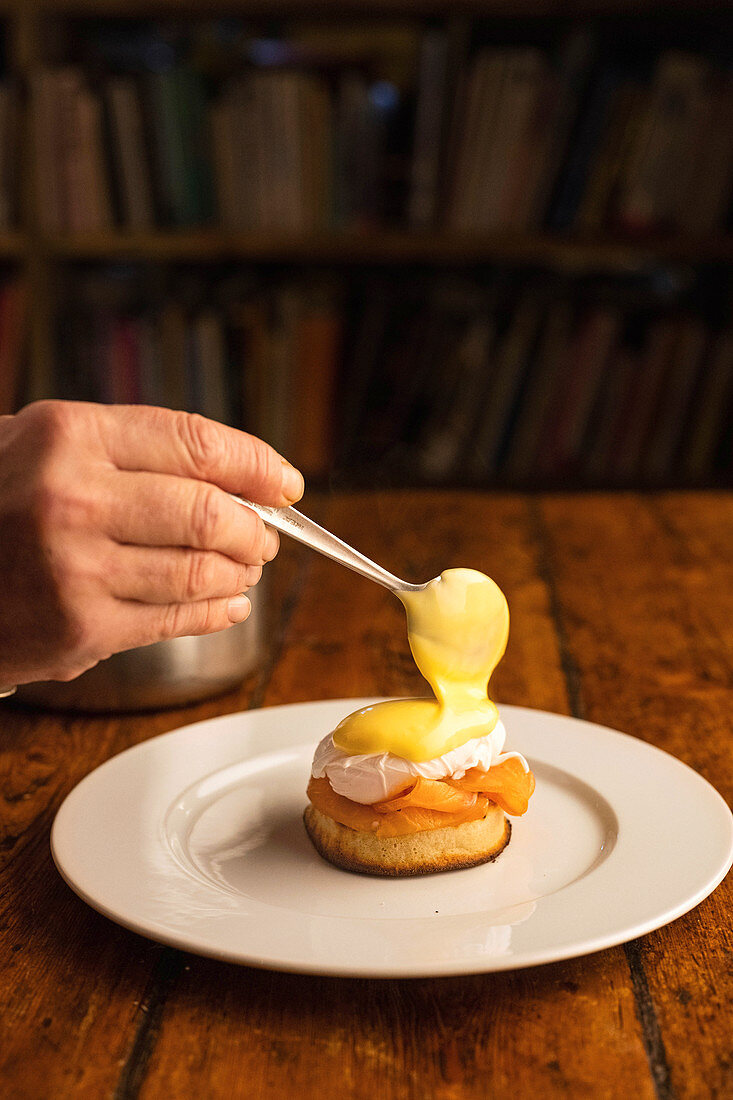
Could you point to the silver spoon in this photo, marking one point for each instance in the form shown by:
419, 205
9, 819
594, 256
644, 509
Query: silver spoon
291, 522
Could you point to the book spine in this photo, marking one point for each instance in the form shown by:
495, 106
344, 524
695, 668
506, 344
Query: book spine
97, 211
514, 143
536, 412
478, 135
713, 401
660, 165
704, 204
12, 344
212, 364
172, 327
513, 359
583, 149
627, 452
129, 154
567, 91
47, 150
422, 204
674, 408
317, 358
6, 156
170, 163
249, 163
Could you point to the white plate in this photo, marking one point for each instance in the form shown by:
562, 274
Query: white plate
195, 838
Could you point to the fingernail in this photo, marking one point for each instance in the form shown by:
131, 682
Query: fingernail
238, 609
293, 485
252, 575
272, 544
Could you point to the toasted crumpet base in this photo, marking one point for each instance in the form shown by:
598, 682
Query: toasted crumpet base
423, 853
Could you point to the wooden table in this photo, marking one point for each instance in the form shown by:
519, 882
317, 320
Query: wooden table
622, 613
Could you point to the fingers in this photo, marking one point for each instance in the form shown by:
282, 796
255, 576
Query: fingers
167, 575
167, 442
142, 624
158, 510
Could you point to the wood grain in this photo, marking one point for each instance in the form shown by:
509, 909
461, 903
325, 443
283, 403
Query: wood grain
621, 612
76, 990
646, 595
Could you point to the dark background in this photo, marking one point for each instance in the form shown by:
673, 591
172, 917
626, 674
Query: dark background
435, 246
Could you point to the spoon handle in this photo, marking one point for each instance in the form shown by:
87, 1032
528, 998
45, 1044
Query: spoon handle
291, 522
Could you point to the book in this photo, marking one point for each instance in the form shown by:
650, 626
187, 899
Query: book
316, 121
123, 362
530, 436
231, 211
280, 415
512, 358
642, 402
46, 149
152, 388
129, 154
96, 206
473, 146
75, 195
267, 197
675, 397
172, 345
713, 399
584, 145
513, 141
396, 397
363, 352
605, 424
703, 205
447, 444
357, 154
72, 165
424, 376
315, 374
660, 167
422, 206
606, 170
290, 93
588, 355
249, 318
195, 130
211, 366
10, 122
12, 344
250, 167
169, 154
527, 174
563, 97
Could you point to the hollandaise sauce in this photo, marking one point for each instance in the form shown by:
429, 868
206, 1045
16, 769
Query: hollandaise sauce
457, 627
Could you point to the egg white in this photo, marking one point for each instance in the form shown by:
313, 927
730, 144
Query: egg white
373, 777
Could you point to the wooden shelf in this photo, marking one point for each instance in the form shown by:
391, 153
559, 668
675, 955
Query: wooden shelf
385, 247
565, 9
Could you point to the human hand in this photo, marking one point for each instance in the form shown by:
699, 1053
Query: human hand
116, 531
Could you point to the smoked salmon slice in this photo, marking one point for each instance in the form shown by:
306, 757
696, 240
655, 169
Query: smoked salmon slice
429, 794
507, 784
366, 819
431, 803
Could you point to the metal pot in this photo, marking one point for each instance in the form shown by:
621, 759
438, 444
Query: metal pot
166, 674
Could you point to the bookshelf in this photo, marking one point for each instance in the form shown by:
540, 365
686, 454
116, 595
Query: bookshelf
43, 34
